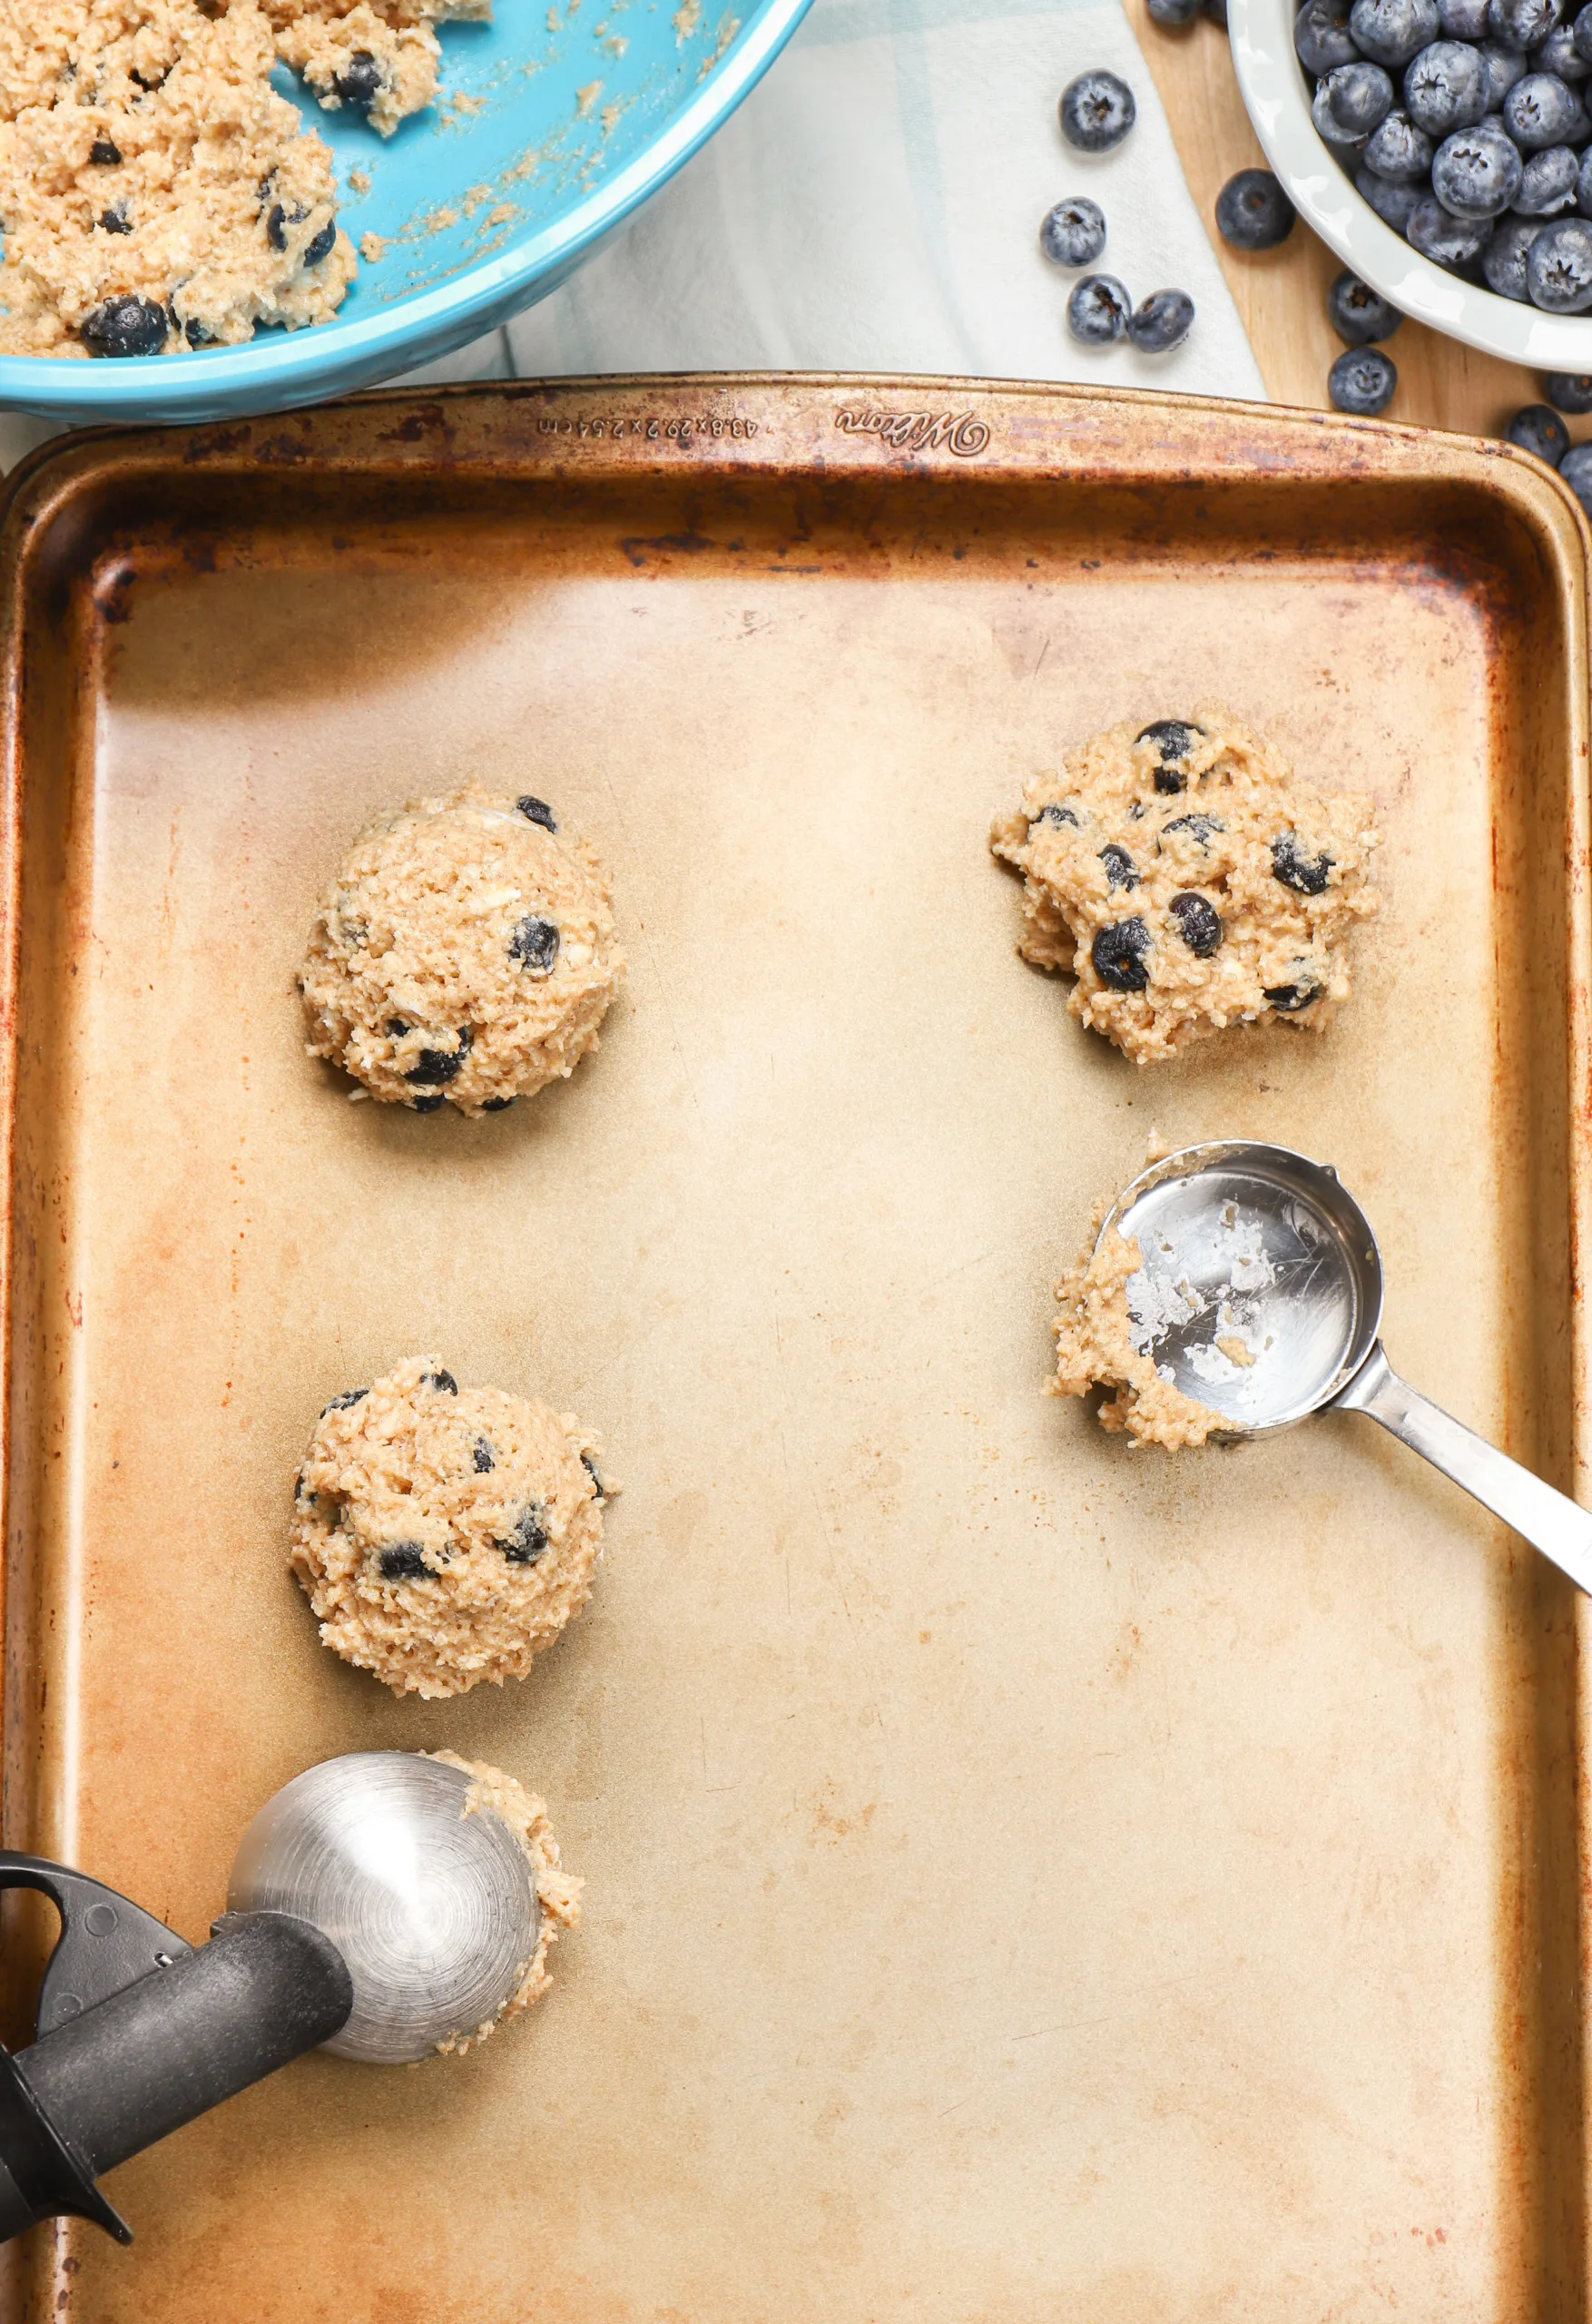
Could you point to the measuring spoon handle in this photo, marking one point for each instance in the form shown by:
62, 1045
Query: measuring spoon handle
1550, 1521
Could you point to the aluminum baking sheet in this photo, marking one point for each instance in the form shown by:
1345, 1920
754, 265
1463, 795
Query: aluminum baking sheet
1026, 1878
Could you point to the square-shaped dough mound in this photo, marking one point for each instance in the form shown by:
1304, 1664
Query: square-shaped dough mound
1191, 881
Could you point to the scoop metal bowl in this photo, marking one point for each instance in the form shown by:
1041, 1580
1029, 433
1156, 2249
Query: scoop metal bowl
435, 1911
1262, 1248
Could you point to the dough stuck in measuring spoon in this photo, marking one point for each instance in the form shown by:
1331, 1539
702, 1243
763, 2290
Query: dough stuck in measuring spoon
445, 1535
464, 954
1191, 881
1095, 1347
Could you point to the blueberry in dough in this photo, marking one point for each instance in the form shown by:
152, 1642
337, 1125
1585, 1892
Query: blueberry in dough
1119, 867
428, 1102
443, 1382
433, 1065
1174, 739
125, 326
534, 945
529, 1539
345, 1402
1118, 954
491, 1557
536, 810
1199, 923
1055, 813
360, 81
590, 1466
404, 1561
1297, 868
1202, 828
1287, 999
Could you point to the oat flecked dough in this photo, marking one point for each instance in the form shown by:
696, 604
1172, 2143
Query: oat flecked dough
464, 954
1190, 881
443, 1536
492, 1793
156, 193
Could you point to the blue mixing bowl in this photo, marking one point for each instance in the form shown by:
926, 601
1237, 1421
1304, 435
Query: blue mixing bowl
551, 125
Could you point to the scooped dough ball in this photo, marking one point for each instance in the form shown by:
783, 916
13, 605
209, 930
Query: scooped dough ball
1191, 881
492, 1793
465, 954
445, 1536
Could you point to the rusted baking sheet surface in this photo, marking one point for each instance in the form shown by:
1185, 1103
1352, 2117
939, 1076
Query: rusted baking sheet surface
1026, 1880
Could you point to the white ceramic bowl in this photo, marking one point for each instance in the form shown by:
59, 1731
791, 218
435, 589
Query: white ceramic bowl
1278, 98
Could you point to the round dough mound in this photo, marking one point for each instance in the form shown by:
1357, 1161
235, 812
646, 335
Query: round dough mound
492, 1793
1191, 881
445, 1536
466, 952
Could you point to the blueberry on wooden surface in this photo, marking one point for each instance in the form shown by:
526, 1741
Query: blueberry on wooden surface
1539, 429
1253, 213
1568, 390
1360, 314
124, 326
1098, 310
1073, 233
1576, 467
1172, 14
1096, 112
1118, 954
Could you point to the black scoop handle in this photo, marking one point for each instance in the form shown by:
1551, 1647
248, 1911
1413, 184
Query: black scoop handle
139, 2033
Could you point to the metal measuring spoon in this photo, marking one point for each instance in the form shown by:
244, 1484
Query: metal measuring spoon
433, 1911
1260, 1248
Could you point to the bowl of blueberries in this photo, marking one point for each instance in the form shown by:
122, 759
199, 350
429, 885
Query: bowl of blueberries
1443, 149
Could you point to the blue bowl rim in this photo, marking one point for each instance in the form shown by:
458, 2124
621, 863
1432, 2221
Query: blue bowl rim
295, 366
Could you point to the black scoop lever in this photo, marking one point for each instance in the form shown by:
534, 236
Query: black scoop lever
138, 2031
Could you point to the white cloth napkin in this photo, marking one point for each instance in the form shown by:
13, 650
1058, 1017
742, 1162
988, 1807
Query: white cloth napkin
874, 205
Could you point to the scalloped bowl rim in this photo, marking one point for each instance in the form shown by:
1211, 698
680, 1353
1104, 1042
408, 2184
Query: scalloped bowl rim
1273, 91
277, 370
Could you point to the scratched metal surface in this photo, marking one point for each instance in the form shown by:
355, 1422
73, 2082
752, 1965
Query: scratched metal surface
1025, 1879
